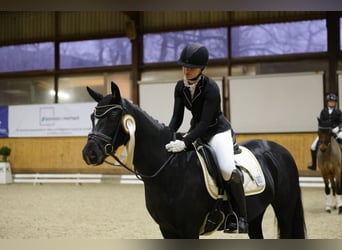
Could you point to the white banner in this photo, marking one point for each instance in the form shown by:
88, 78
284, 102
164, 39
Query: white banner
50, 120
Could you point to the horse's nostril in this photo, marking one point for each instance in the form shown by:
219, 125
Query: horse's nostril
92, 157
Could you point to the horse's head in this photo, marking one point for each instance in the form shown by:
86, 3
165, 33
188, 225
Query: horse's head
324, 134
108, 132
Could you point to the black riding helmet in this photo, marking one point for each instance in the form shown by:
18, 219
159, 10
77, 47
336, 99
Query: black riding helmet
331, 97
194, 55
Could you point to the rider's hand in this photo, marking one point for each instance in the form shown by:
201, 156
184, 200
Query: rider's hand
335, 130
175, 146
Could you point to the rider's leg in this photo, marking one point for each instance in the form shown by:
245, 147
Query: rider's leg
314, 147
222, 144
237, 196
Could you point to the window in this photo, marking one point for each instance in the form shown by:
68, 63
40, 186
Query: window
27, 57
340, 33
95, 53
72, 89
123, 80
279, 39
26, 91
166, 47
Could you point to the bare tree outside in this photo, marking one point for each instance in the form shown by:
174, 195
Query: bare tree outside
279, 39
166, 47
95, 53
27, 57
249, 40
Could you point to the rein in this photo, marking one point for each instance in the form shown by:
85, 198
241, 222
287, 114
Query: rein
134, 171
128, 123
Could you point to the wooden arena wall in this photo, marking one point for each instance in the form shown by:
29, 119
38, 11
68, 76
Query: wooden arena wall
52, 155
64, 154
298, 144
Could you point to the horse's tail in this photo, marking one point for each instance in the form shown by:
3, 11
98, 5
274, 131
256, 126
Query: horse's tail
298, 220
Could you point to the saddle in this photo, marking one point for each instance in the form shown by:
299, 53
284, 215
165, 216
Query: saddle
253, 182
253, 177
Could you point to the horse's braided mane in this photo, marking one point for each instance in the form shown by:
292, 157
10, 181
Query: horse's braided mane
131, 107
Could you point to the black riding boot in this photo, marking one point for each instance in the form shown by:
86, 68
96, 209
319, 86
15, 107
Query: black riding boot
237, 196
313, 157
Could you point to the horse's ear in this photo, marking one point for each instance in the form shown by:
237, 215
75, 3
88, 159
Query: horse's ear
116, 91
96, 96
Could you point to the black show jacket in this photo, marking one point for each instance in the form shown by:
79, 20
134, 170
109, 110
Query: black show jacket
334, 119
207, 117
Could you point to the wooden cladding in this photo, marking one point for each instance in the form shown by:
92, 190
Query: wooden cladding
64, 155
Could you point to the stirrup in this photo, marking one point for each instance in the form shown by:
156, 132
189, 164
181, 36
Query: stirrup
234, 227
233, 217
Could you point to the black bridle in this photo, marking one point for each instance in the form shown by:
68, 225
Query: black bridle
109, 142
96, 135
326, 140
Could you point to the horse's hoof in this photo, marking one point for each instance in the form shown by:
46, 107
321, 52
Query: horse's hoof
340, 210
328, 211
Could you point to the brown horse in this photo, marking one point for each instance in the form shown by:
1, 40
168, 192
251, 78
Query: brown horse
329, 162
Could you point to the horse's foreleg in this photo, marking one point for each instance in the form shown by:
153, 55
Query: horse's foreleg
339, 197
167, 234
339, 203
326, 187
255, 228
328, 196
333, 185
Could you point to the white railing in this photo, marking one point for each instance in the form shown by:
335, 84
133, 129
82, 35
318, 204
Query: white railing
38, 178
311, 182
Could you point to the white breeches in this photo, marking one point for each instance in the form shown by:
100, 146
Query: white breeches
222, 144
314, 144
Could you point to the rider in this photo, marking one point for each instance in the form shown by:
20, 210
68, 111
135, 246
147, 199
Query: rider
333, 115
200, 94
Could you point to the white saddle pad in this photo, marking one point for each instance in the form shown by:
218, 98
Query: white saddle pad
254, 179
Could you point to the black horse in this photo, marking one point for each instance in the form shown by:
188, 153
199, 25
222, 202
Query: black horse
175, 193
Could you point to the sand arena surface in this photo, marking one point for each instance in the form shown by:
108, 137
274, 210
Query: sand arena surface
117, 211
